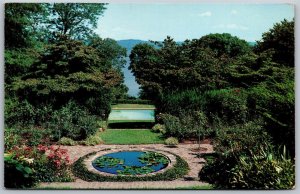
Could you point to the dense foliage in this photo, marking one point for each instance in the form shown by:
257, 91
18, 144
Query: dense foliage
246, 159
25, 166
218, 86
60, 80
46, 74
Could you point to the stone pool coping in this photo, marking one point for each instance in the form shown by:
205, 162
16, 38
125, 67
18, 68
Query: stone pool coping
88, 162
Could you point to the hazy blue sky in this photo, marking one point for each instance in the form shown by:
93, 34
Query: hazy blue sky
188, 21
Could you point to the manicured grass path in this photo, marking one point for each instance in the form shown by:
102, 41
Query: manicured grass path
130, 136
133, 106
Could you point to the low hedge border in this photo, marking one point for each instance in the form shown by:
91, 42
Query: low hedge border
180, 169
132, 101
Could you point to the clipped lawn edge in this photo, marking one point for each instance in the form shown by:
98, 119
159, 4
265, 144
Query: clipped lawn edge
180, 169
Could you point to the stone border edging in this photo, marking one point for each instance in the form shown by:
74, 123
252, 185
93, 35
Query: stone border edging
88, 162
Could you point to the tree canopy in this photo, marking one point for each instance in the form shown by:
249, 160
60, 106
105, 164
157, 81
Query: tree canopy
76, 20
281, 41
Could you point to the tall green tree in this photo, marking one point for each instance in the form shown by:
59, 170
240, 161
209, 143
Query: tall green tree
281, 41
225, 44
69, 70
76, 20
21, 20
178, 67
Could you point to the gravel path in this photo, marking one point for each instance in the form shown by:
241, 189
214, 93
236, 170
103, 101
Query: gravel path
183, 150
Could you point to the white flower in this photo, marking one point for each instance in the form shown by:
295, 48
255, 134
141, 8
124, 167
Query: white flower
29, 160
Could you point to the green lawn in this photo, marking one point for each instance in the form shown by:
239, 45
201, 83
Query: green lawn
130, 136
133, 106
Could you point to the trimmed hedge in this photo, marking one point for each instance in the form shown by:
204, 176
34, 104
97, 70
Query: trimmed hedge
132, 101
177, 171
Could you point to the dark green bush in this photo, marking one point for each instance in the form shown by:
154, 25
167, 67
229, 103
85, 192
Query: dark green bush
246, 160
72, 122
25, 114
238, 139
187, 125
177, 171
261, 170
12, 138
132, 101
27, 135
275, 102
19, 113
174, 102
229, 105
18, 173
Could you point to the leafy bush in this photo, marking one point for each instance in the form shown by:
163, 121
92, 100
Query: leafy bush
174, 102
66, 141
275, 102
53, 164
26, 135
11, 138
187, 125
158, 128
72, 122
19, 113
246, 160
18, 171
25, 166
229, 105
179, 169
25, 114
240, 138
93, 140
132, 101
261, 170
171, 141
102, 125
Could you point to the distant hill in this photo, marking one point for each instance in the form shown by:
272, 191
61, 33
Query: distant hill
130, 43
252, 43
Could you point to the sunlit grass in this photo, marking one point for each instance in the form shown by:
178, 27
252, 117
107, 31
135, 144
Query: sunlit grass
131, 136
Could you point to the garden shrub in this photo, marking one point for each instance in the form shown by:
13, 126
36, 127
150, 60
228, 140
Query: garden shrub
229, 105
25, 114
179, 169
72, 122
12, 138
246, 160
174, 102
158, 128
18, 171
171, 141
18, 113
132, 101
53, 164
187, 125
25, 166
93, 140
262, 170
275, 102
66, 141
26, 135
238, 139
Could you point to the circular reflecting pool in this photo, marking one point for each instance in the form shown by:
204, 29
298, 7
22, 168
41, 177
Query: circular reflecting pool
131, 162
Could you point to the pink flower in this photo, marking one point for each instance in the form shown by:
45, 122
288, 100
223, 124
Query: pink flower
57, 163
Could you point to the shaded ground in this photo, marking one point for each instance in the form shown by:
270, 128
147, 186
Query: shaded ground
183, 150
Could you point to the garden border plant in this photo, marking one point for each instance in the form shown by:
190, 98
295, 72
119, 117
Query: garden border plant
179, 169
